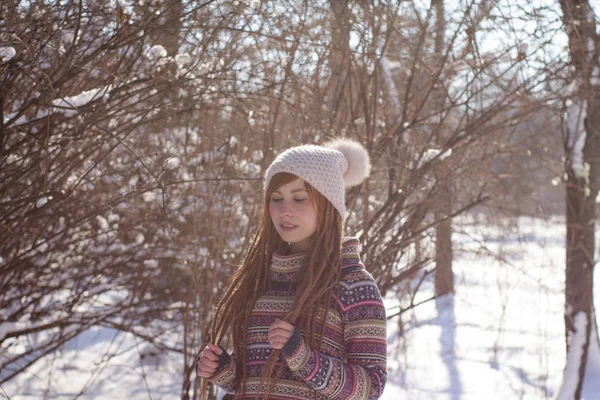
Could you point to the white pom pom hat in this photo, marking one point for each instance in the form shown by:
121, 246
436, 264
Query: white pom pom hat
330, 168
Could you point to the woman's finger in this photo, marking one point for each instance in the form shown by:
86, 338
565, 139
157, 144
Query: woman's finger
205, 369
215, 349
281, 338
282, 325
205, 374
202, 369
208, 363
280, 333
207, 353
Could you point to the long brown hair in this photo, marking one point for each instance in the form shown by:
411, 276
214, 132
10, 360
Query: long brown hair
316, 282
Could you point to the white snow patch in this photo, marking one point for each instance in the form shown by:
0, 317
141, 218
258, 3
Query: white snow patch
7, 53
139, 239
149, 196
172, 163
591, 48
576, 347
182, 59
576, 135
157, 52
591, 381
430, 154
102, 222
151, 263
112, 217
42, 202
387, 66
69, 105
257, 155
595, 78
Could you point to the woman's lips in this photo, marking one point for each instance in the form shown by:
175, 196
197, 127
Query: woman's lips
287, 228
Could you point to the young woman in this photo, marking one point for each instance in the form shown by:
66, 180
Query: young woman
306, 317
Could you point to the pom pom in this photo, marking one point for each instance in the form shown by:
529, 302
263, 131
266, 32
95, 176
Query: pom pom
359, 165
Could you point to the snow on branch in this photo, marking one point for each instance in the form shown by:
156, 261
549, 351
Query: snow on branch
7, 53
69, 105
576, 135
432, 154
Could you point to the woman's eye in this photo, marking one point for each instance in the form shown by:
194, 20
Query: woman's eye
274, 200
299, 200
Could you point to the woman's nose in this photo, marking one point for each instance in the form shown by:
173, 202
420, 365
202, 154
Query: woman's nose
285, 208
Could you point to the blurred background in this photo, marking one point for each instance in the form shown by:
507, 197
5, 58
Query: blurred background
135, 134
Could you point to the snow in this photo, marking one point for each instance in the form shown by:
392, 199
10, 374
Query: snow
182, 59
69, 105
257, 156
500, 336
591, 48
41, 202
595, 76
139, 239
172, 163
157, 52
576, 136
576, 347
151, 263
112, 217
430, 154
7, 53
149, 197
102, 222
23, 118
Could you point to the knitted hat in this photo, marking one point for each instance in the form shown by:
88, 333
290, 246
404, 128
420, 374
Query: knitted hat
329, 168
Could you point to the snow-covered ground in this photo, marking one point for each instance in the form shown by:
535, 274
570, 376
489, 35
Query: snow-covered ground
500, 337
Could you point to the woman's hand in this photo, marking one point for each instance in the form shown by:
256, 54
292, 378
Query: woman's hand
208, 361
279, 333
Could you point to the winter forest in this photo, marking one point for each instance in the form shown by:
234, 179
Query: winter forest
133, 143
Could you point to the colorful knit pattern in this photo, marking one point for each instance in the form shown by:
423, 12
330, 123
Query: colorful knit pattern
351, 360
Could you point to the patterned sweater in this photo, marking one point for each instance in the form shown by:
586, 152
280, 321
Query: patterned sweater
351, 360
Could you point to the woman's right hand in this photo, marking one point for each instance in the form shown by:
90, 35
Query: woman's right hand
208, 361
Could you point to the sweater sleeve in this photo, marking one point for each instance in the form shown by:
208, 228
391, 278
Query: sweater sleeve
363, 373
226, 374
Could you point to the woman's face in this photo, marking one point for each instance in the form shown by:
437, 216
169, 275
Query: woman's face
293, 215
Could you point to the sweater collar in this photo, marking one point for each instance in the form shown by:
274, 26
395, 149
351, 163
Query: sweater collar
285, 268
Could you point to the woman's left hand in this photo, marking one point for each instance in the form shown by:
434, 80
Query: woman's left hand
279, 333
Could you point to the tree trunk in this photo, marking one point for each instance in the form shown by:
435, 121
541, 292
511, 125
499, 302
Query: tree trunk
444, 279
582, 169
339, 56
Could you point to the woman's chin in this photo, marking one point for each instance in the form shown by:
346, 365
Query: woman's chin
287, 237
